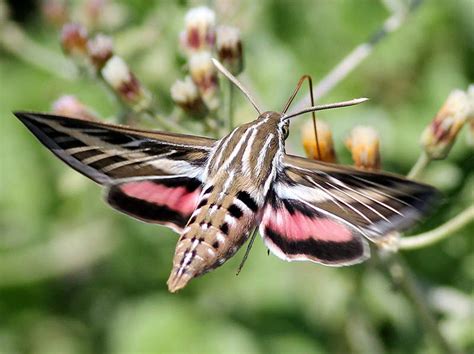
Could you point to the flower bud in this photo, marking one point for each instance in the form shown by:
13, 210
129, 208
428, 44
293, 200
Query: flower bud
199, 31
325, 152
74, 40
204, 75
364, 144
186, 95
70, 106
229, 48
93, 10
470, 117
119, 77
100, 49
438, 137
55, 11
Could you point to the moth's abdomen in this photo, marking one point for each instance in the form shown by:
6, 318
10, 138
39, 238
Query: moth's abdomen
216, 230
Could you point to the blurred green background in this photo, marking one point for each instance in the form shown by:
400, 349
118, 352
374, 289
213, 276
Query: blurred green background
77, 277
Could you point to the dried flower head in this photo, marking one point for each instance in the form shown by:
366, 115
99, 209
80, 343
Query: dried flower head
186, 95
100, 49
364, 144
438, 137
204, 75
70, 106
117, 74
199, 33
74, 40
325, 152
229, 48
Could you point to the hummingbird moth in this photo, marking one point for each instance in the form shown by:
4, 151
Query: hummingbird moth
215, 193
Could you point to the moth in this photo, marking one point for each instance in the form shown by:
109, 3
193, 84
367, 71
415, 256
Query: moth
215, 193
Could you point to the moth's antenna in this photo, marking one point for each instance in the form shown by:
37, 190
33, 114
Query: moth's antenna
236, 82
327, 106
292, 97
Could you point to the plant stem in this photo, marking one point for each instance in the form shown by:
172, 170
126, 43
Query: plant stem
15, 41
229, 105
167, 123
419, 166
357, 55
438, 234
403, 277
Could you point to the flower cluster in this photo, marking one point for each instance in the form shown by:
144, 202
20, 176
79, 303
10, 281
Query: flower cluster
96, 54
200, 40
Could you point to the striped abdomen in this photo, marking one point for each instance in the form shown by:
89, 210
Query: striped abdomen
216, 230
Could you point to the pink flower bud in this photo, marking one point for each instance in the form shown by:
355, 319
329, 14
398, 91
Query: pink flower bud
204, 75
199, 33
127, 87
438, 137
364, 144
100, 49
74, 40
93, 10
55, 11
70, 106
186, 95
229, 48
325, 152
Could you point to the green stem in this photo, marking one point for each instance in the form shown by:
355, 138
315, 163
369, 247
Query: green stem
440, 233
168, 124
229, 105
403, 277
419, 166
14, 40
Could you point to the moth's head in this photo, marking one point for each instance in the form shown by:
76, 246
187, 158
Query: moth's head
274, 121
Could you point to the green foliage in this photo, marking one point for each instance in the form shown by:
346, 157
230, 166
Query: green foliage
76, 277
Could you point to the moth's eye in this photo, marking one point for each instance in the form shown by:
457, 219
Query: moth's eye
286, 130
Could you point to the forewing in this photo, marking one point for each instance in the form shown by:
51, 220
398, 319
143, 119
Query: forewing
320, 211
153, 176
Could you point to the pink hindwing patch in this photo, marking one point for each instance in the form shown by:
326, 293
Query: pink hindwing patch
167, 201
295, 232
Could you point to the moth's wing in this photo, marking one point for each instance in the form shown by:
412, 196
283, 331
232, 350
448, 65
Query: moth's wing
322, 212
153, 176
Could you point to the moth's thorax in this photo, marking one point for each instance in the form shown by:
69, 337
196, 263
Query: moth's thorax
239, 173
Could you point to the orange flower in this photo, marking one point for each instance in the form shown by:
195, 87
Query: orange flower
364, 144
326, 151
